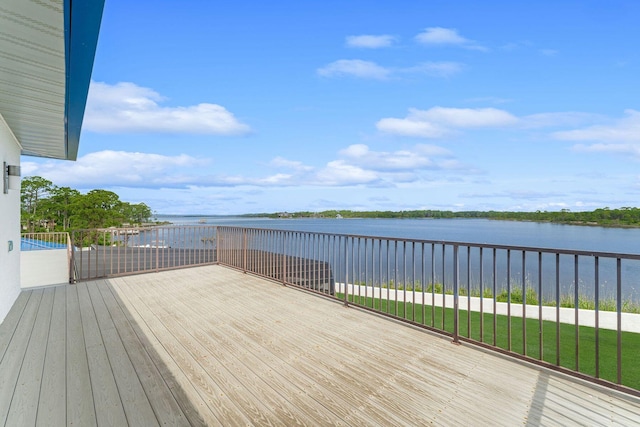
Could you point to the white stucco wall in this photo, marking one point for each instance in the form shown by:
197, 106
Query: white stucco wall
9, 226
44, 268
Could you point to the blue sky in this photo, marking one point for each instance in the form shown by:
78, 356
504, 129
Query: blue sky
200, 107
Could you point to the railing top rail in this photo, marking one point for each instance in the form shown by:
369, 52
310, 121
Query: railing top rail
456, 243
144, 227
50, 233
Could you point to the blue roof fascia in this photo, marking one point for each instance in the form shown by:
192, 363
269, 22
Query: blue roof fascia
82, 20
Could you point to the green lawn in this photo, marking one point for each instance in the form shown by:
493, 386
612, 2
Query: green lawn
434, 316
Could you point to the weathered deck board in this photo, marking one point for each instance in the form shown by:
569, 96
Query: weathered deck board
136, 406
11, 363
212, 346
164, 405
11, 322
185, 349
108, 406
184, 392
25, 396
79, 393
52, 398
233, 359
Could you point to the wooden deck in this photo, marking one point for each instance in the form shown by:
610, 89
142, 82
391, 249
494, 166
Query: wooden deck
212, 346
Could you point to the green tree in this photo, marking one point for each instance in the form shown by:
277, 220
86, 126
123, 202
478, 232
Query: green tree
33, 195
139, 213
60, 206
97, 209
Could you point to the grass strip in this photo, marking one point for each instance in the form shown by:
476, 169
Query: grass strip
541, 337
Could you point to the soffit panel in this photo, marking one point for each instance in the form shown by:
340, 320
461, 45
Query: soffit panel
32, 74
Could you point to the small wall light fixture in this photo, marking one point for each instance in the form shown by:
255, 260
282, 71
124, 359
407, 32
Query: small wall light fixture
11, 177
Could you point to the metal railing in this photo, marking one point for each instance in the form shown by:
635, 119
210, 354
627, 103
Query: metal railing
573, 311
290, 257
562, 309
111, 252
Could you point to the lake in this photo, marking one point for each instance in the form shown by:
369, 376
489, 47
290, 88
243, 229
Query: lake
478, 231
517, 233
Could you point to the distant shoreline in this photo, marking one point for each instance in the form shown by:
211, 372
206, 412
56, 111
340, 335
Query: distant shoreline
561, 218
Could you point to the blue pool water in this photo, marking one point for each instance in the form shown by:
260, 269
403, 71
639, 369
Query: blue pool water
37, 245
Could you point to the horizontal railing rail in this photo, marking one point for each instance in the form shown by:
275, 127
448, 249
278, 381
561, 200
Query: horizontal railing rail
574, 311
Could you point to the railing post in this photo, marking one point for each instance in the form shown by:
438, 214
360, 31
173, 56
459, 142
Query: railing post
216, 252
157, 251
284, 258
346, 271
244, 250
71, 258
456, 286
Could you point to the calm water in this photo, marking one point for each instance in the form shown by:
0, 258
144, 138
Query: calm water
483, 231
542, 235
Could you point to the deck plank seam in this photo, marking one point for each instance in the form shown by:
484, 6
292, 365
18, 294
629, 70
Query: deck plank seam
72, 292
16, 323
86, 351
46, 351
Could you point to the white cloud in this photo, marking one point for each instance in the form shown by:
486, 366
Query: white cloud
438, 36
626, 129
355, 68
118, 168
279, 178
371, 70
280, 162
632, 149
340, 173
622, 136
440, 121
355, 165
560, 119
359, 165
411, 126
436, 69
126, 107
467, 117
360, 155
370, 41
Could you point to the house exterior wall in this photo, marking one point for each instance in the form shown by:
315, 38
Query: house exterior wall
9, 226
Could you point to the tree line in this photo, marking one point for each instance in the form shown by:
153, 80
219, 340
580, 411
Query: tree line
47, 207
621, 217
